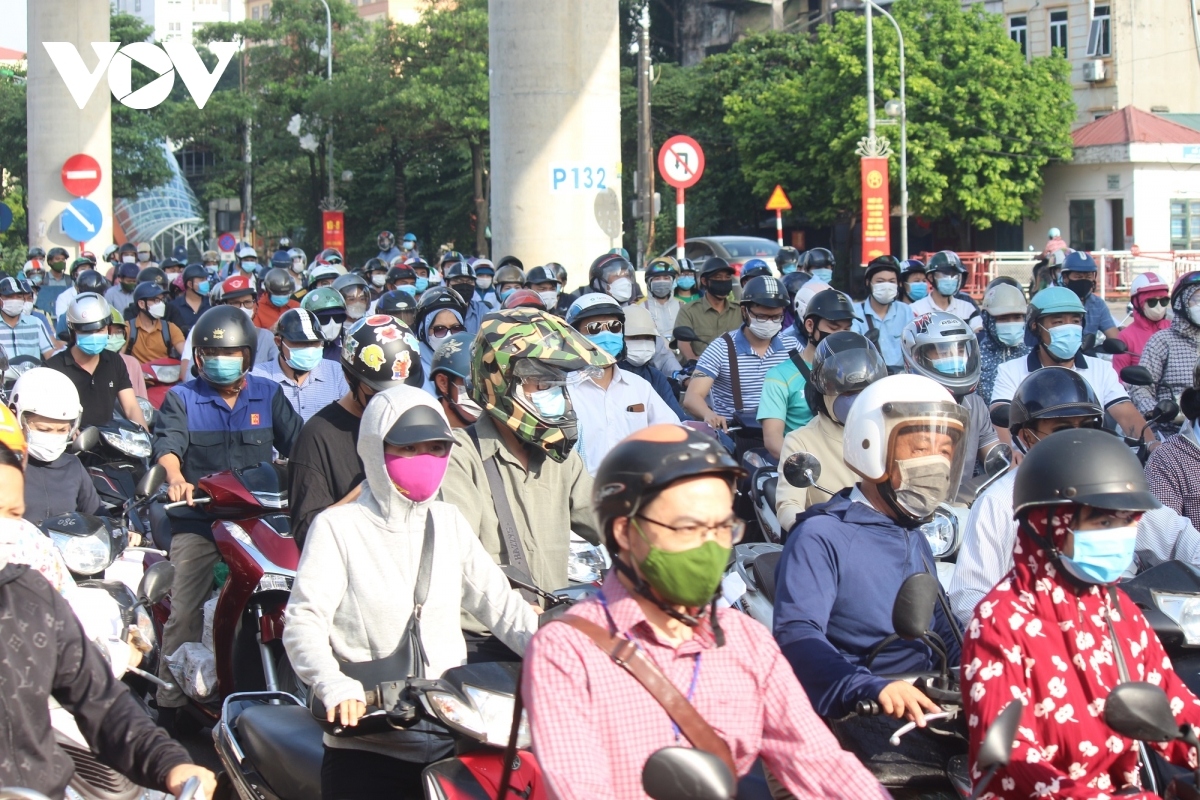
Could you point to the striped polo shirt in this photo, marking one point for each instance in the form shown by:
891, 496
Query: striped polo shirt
27, 338
752, 369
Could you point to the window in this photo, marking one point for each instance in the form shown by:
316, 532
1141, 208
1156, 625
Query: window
137, 5
1058, 31
254, 12
1100, 34
173, 27
1017, 31
1185, 224
1082, 215
195, 162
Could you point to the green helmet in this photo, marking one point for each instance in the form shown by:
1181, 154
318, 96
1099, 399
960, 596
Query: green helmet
526, 343
323, 299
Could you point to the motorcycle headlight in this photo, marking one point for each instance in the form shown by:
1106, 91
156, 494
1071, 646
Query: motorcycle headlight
942, 533
1184, 611
586, 563
131, 443
84, 555
145, 626
487, 716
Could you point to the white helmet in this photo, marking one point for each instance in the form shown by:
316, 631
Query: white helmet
805, 293
1055, 233
47, 393
907, 427
88, 312
1004, 298
246, 251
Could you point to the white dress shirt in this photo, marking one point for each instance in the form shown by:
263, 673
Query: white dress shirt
606, 416
986, 555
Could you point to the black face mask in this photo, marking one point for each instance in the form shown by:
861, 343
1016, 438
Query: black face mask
1082, 287
465, 290
720, 288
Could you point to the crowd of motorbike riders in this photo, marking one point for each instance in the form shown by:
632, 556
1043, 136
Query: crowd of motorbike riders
449, 423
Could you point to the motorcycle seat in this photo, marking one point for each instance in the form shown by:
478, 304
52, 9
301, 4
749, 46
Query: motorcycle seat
768, 489
764, 570
284, 745
160, 526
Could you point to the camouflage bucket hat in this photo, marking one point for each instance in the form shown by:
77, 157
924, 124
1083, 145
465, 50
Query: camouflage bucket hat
509, 337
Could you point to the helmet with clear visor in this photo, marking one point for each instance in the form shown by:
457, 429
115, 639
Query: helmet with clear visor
942, 347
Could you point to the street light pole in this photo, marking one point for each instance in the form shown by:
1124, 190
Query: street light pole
870, 75
329, 77
903, 129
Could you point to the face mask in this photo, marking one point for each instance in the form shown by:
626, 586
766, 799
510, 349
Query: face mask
250, 267
1101, 556
91, 343
408, 289
1082, 288
483, 283
407, 245
379, 279
356, 310
950, 365
787, 269
505, 294
46, 446
298, 266
621, 290
280, 300
924, 483
688, 577
918, 290
550, 403
222, 370
417, 477
127, 288
157, 310
465, 405
639, 351
124, 260
116, 343
688, 282
765, 330
884, 293
436, 341
1065, 341
143, 257
720, 288
947, 286
1010, 334
1194, 314
549, 298
36, 278
1154, 314
27, 307
14, 308
59, 266
304, 359
422, 285
203, 288
661, 288
249, 312
331, 329
822, 274
609, 342
465, 290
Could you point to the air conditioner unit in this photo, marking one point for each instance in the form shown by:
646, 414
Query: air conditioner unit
1093, 71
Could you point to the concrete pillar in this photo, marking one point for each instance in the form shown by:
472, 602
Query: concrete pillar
57, 128
555, 131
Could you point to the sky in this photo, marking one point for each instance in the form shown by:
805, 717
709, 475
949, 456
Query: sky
12, 32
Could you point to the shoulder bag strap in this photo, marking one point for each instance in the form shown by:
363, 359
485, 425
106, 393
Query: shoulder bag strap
734, 374
132, 337
627, 655
805, 372
420, 592
867, 317
517, 564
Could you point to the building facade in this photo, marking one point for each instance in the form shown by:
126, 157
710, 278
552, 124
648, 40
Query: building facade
180, 19
403, 11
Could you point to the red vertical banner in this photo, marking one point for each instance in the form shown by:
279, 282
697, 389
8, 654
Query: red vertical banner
876, 210
333, 230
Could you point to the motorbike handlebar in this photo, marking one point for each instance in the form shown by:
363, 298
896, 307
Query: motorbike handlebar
191, 789
867, 708
196, 501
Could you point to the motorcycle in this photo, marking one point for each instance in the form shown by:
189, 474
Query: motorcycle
119, 458
1165, 419
160, 375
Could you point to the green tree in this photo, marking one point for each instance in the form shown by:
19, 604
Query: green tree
982, 121
138, 159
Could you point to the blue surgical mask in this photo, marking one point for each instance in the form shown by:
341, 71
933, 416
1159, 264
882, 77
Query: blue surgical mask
422, 284
250, 266
1010, 334
950, 365
222, 370
92, 343
918, 290
686, 282
1065, 341
947, 286
504, 295
609, 342
280, 300
408, 289
1101, 556
787, 269
203, 288
550, 403
823, 274
305, 359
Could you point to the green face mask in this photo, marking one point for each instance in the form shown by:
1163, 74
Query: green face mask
688, 577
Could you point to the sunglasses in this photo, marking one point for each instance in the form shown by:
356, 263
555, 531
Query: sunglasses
441, 330
1157, 301
593, 328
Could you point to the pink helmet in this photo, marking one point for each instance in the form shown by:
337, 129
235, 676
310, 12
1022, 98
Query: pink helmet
1147, 283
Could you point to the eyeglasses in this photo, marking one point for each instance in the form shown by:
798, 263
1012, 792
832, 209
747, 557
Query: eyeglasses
596, 326
772, 318
1157, 301
247, 302
439, 331
726, 533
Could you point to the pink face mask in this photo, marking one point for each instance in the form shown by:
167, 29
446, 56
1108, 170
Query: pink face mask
416, 477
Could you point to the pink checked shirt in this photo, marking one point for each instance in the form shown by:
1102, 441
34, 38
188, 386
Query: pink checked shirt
594, 725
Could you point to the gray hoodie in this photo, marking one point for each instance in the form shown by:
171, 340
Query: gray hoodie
353, 591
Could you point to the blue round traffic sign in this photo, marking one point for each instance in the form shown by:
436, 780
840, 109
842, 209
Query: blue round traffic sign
81, 220
6, 217
227, 242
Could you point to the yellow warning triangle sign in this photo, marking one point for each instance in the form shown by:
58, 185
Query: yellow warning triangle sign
779, 200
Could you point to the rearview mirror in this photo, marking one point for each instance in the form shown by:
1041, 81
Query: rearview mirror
87, 440
801, 470
1165, 410
1141, 711
912, 613
1114, 346
156, 583
998, 459
1000, 416
684, 773
148, 485
684, 333
1137, 376
997, 744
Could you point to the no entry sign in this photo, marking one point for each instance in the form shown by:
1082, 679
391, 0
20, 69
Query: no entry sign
81, 175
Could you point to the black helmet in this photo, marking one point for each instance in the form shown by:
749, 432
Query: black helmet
830, 304
279, 281
10, 286
714, 264
458, 269
881, 264
605, 265
912, 266
193, 272
400, 273
168, 263
35, 252
1082, 466
845, 362
299, 325
1182, 291
381, 352
437, 299
1053, 392
453, 357
764, 290
57, 251
785, 256
153, 275
420, 423
540, 275
386, 241
147, 291
817, 258
506, 260
394, 302
646, 462
374, 265
560, 272
793, 281
89, 280
946, 261
225, 327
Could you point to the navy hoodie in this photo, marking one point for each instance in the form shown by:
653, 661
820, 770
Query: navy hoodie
841, 568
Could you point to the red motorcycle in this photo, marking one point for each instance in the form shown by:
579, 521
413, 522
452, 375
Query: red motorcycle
160, 375
251, 531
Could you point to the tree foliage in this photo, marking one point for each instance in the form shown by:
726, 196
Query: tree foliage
138, 159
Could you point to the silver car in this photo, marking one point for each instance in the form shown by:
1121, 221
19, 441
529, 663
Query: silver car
737, 250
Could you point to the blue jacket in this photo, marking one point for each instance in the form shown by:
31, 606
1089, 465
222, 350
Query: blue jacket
841, 568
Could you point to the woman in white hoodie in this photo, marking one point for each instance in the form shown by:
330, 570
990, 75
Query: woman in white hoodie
354, 591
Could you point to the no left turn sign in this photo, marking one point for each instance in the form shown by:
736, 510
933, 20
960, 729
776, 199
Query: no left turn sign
681, 161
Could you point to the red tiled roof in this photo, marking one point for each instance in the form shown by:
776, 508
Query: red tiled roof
1134, 125
8, 54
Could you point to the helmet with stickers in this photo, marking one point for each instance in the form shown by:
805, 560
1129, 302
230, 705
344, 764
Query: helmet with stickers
381, 352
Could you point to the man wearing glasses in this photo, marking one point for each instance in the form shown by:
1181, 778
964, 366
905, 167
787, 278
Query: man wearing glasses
728, 379
611, 403
238, 292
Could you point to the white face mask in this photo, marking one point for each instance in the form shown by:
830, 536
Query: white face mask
884, 293
924, 483
483, 282
355, 311
1154, 314
14, 308
249, 312
1194, 314
129, 259
46, 446
157, 310
378, 279
639, 351
550, 299
765, 329
27, 307
621, 290
331, 330
297, 266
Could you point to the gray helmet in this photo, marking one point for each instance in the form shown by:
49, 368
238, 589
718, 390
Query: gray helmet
89, 312
453, 357
942, 347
